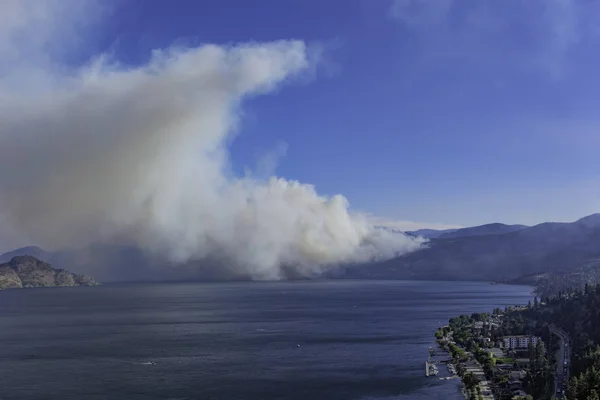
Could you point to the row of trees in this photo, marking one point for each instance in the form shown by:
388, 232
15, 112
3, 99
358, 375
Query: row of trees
462, 334
457, 353
539, 381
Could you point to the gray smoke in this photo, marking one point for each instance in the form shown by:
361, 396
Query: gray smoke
109, 152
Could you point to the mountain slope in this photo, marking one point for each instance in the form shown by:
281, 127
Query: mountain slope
28, 271
26, 251
548, 247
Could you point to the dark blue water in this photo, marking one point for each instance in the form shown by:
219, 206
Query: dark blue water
300, 340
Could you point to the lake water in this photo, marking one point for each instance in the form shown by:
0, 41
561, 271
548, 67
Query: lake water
287, 340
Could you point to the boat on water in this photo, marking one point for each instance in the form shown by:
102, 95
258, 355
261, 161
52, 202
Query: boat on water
430, 369
447, 378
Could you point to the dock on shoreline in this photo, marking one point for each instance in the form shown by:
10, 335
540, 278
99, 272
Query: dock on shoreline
430, 369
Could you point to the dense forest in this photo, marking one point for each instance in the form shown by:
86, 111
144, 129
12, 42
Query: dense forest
554, 284
578, 314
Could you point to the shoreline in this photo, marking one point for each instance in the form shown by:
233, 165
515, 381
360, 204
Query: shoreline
474, 352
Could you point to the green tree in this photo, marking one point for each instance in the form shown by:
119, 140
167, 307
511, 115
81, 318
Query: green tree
531, 353
470, 381
539, 355
571, 392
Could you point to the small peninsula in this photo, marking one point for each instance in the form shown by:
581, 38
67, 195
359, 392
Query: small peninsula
28, 271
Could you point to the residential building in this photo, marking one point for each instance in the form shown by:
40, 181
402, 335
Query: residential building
518, 393
520, 342
518, 374
485, 390
515, 384
497, 352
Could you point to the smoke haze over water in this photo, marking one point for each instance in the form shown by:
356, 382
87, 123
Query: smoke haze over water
138, 154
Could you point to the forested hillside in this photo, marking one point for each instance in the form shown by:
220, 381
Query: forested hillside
578, 314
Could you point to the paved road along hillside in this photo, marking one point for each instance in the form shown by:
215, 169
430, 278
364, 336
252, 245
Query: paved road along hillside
564, 364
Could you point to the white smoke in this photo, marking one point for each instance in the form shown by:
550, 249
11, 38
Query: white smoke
108, 150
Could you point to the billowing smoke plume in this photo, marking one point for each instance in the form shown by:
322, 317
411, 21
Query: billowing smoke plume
139, 153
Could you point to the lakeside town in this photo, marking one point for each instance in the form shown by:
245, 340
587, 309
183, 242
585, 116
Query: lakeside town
502, 355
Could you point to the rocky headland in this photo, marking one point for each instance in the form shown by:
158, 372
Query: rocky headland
28, 271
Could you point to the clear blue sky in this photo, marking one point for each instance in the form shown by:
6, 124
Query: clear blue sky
440, 111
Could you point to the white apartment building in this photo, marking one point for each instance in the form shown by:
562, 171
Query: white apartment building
520, 342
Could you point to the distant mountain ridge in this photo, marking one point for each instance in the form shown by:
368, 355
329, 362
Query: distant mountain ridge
487, 229
497, 252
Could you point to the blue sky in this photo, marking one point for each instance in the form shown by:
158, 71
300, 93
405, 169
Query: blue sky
438, 112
